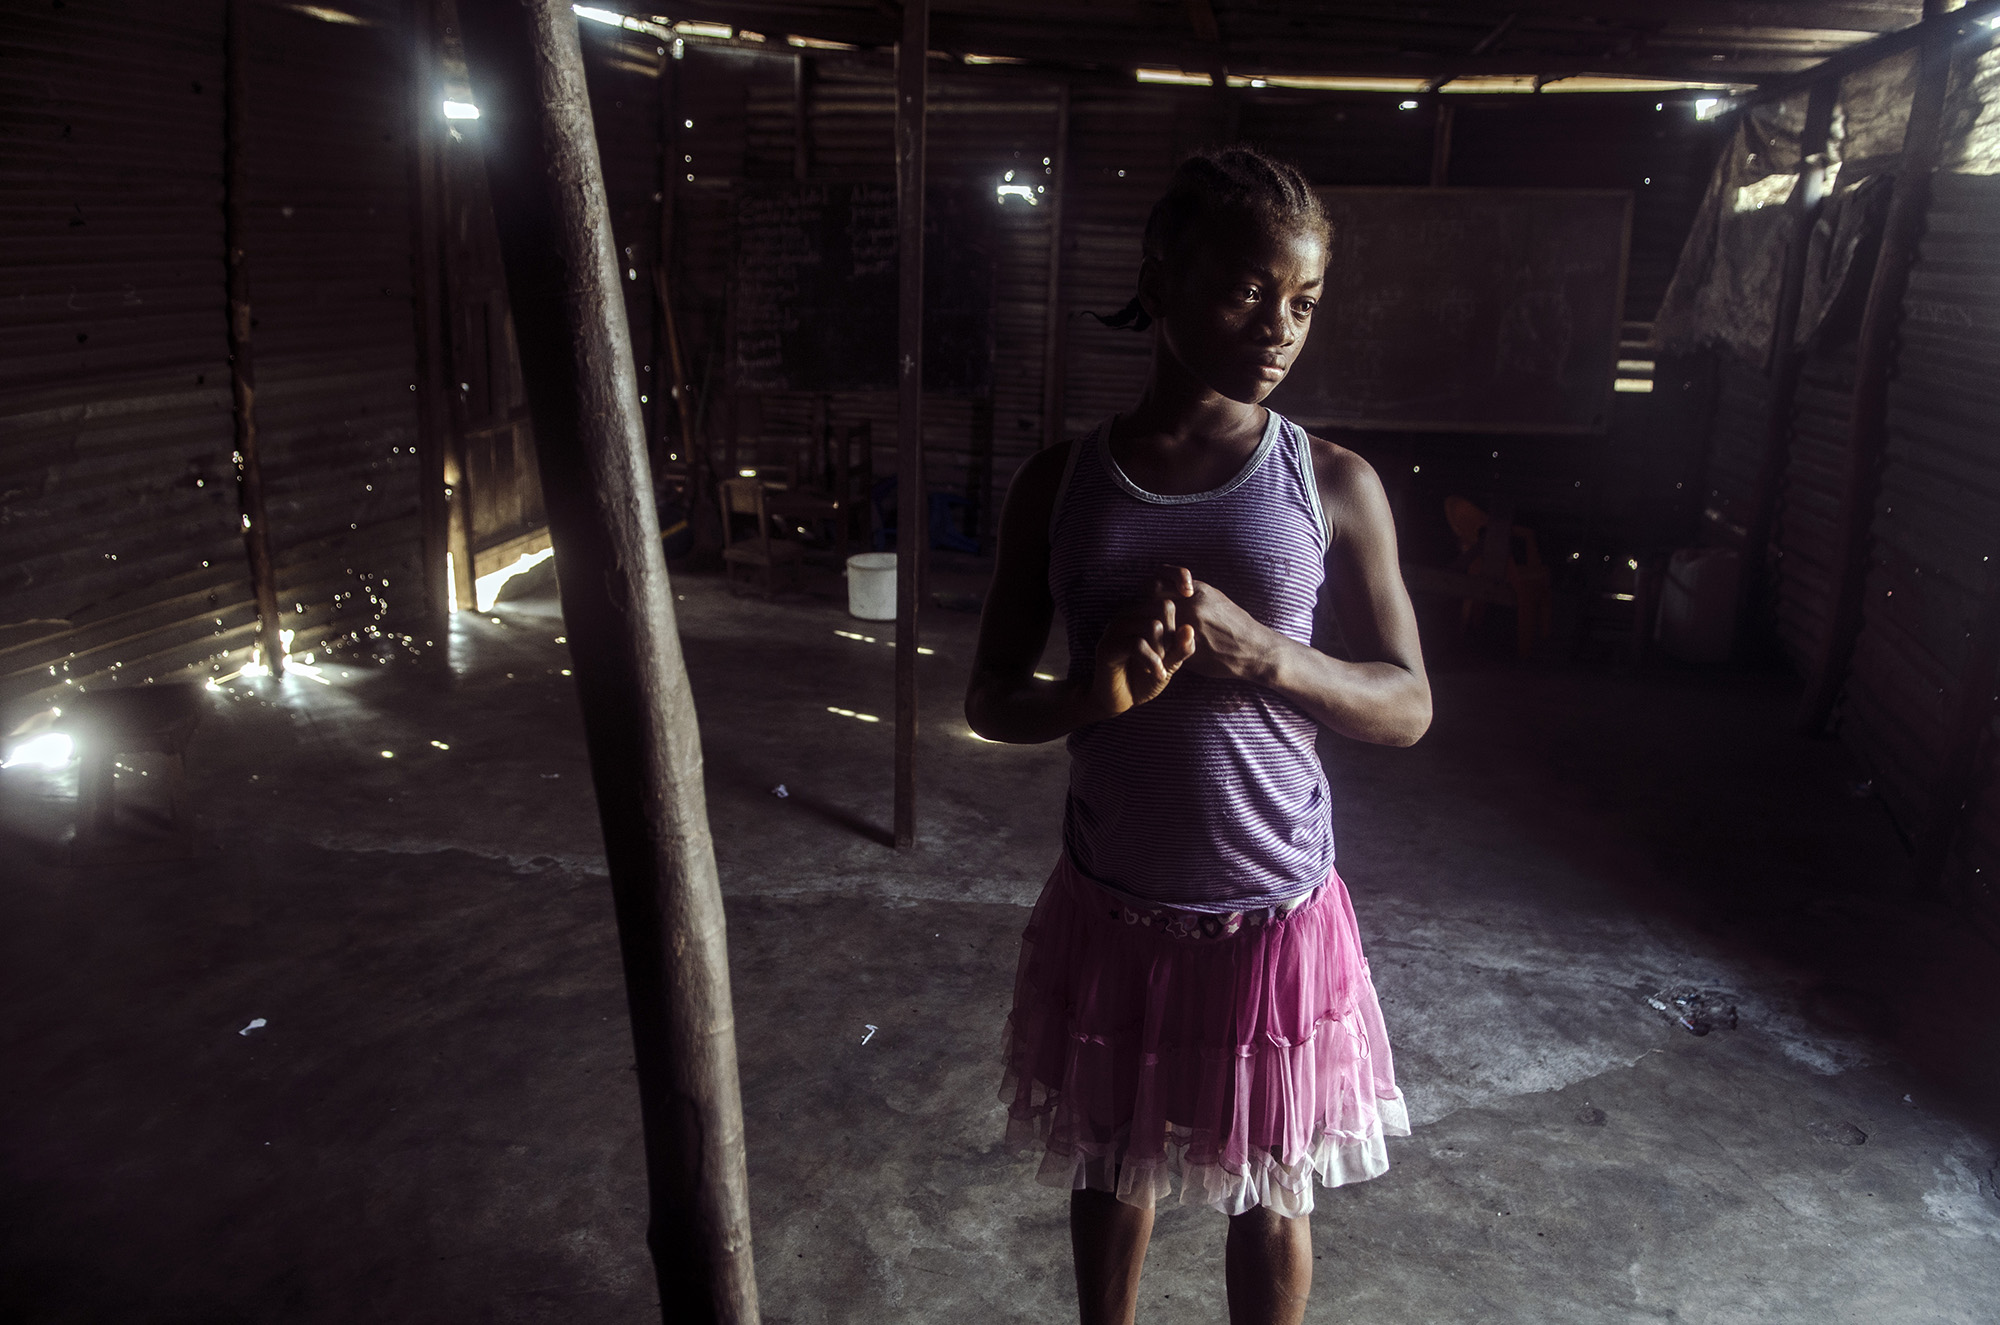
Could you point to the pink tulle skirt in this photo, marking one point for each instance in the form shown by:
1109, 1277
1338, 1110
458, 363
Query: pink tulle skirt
1243, 1057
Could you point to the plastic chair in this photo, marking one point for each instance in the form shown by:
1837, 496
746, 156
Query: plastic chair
1520, 568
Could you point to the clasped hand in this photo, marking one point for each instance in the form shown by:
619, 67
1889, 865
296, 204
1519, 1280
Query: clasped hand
1183, 623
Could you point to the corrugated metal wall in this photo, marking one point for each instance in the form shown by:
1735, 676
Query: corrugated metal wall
329, 253
746, 112
1809, 500
1736, 446
1951, 337
495, 490
1936, 534
331, 280
1123, 143
120, 536
120, 548
1918, 704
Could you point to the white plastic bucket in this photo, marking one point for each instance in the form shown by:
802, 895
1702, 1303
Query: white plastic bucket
871, 586
1697, 621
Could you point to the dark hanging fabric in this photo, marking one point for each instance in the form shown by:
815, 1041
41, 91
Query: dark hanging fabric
1724, 290
1841, 258
1972, 115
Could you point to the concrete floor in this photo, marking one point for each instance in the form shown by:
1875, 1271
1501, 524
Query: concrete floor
437, 1122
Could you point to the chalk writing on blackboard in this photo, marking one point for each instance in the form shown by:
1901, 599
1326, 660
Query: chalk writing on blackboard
1465, 309
814, 296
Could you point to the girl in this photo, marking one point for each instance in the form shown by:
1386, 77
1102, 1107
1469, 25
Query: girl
1191, 1000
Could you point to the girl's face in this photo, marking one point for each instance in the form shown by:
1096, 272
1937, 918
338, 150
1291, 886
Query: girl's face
1235, 315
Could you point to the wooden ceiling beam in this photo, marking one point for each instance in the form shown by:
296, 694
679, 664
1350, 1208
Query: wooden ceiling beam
1369, 40
1958, 21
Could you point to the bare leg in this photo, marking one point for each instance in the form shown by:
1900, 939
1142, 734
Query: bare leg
1109, 1240
1269, 1266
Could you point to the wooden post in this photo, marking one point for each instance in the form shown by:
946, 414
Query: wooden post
818, 471
665, 381
911, 54
693, 449
1874, 357
674, 367
1441, 145
1784, 360
676, 374
1055, 326
732, 411
979, 523
242, 371
802, 75
563, 280
433, 413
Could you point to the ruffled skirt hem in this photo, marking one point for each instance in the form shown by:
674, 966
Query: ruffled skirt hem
1171, 1179
1231, 1072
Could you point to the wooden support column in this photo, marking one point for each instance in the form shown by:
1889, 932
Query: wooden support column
563, 280
912, 540
802, 77
1874, 357
1441, 145
690, 448
980, 523
1208, 53
1785, 359
1055, 325
427, 291
673, 368
242, 371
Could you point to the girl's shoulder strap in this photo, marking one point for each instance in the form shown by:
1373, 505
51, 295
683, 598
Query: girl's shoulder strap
1076, 449
1302, 456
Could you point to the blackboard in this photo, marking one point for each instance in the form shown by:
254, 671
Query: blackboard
1474, 310
813, 302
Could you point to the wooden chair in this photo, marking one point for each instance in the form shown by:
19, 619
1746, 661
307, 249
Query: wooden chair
746, 497
833, 485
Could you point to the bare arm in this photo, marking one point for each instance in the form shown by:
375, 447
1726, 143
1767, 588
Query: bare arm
1382, 697
1005, 700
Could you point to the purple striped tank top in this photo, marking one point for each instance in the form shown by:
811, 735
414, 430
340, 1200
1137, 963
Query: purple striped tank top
1210, 797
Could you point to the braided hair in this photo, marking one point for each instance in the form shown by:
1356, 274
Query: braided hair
1235, 181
